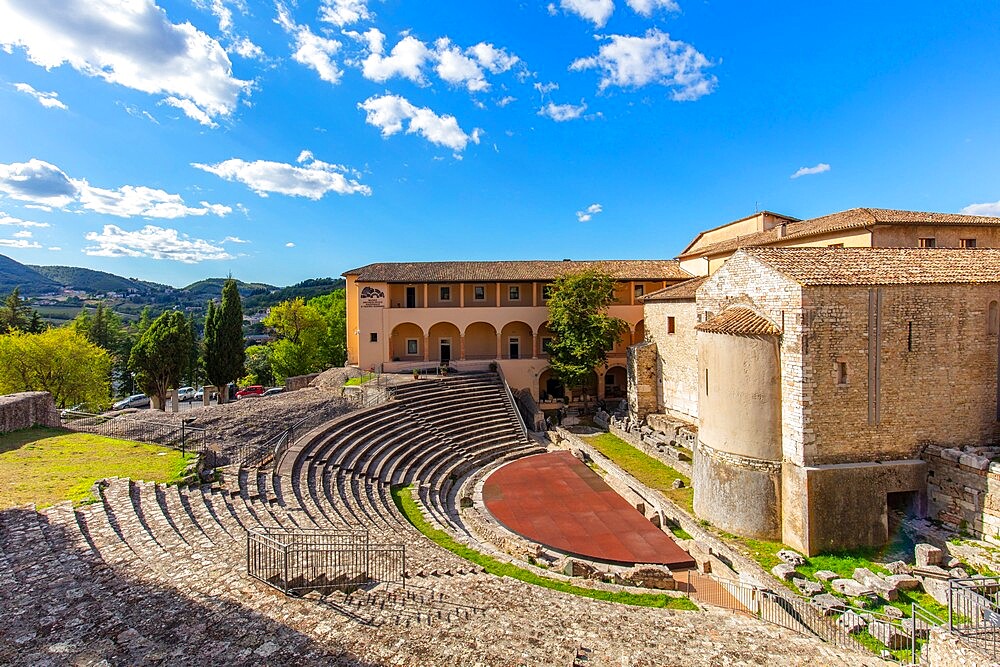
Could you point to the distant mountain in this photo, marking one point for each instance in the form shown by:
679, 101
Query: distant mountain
212, 287
98, 282
306, 289
32, 283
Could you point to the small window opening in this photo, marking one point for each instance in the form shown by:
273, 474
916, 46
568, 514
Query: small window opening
479, 292
927, 242
967, 243
411, 346
909, 336
373, 337
445, 294
514, 293
706, 382
842, 372
671, 325
639, 291
993, 318
836, 245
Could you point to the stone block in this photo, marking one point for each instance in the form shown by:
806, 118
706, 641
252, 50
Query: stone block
876, 583
650, 576
806, 587
931, 571
784, 571
828, 604
958, 573
892, 636
903, 582
938, 589
826, 575
898, 567
850, 588
791, 557
893, 612
953, 562
974, 462
852, 622
952, 455
913, 627
927, 554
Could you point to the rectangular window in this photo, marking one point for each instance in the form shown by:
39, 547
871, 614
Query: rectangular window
927, 242
671, 325
479, 292
411, 346
841, 373
909, 336
444, 293
836, 245
967, 243
639, 290
514, 292
373, 337
706, 382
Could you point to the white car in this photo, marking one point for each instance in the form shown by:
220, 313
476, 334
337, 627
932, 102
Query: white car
133, 401
186, 393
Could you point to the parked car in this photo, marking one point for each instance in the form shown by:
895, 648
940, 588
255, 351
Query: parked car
133, 401
186, 393
66, 412
252, 390
273, 390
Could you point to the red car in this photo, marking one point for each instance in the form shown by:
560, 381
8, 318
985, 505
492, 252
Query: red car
252, 390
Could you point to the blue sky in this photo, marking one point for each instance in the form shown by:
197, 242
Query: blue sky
176, 140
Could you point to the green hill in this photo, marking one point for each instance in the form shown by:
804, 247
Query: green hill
32, 283
212, 287
97, 282
306, 289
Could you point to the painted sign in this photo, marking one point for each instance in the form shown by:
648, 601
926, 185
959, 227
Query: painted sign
372, 298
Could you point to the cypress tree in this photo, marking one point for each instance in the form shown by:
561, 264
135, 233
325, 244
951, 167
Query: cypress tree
225, 355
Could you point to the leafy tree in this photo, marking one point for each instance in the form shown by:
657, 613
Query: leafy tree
15, 314
583, 331
259, 368
59, 361
300, 323
333, 344
106, 330
161, 356
224, 355
289, 359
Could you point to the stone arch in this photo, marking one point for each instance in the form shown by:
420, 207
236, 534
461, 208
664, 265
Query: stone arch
615, 382
549, 388
445, 342
639, 332
480, 341
542, 336
400, 345
522, 347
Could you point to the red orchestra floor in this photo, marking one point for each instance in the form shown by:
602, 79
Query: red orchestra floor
556, 500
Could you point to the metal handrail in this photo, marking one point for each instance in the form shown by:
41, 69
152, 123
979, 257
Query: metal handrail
513, 404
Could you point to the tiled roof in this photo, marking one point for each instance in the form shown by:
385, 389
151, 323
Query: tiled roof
855, 218
516, 271
882, 266
680, 292
740, 320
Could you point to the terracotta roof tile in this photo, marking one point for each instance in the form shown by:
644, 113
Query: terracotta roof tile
740, 320
680, 292
854, 218
516, 271
882, 266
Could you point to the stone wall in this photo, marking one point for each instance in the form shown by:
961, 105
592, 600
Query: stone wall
946, 649
672, 446
641, 391
27, 409
299, 381
921, 368
963, 489
677, 355
738, 494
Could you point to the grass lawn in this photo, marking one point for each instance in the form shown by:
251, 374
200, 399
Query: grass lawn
651, 472
403, 497
355, 382
48, 465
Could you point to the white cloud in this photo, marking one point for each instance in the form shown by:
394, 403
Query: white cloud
588, 213
344, 12
562, 112
490, 57
191, 110
54, 247
243, 47
311, 50
545, 88
220, 11
628, 61
131, 43
988, 209
457, 68
154, 242
504, 101
137, 112
289, 245
808, 171
387, 112
19, 243
234, 239
10, 221
406, 59
596, 11
47, 100
46, 185
23, 234
312, 180
647, 7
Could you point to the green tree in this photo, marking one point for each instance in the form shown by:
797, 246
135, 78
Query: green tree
259, 368
300, 323
333, 343
161, 356
106, 330
225, 356
583, 331
289, 359
59, 361
15, 314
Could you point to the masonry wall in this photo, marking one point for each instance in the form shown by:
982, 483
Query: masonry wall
677, 356
921, 368
641, 390
963, 490
946, 236
27, 409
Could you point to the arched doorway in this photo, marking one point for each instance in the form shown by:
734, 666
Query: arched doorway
407, 342
615, 379
480, 341
516, 340
639, 335
549, 387
445, 339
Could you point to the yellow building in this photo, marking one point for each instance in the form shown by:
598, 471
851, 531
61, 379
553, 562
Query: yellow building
467, 314
854, 228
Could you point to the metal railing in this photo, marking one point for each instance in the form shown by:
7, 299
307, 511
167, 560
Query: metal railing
257, 453
974, 612
303, 561
513, 404
180, 436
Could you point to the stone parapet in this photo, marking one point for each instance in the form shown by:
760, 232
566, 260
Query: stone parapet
27, 409
674, 449
963, 489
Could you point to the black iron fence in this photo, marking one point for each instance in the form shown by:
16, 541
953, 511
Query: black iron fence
974, 612
303, 561
180, 436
